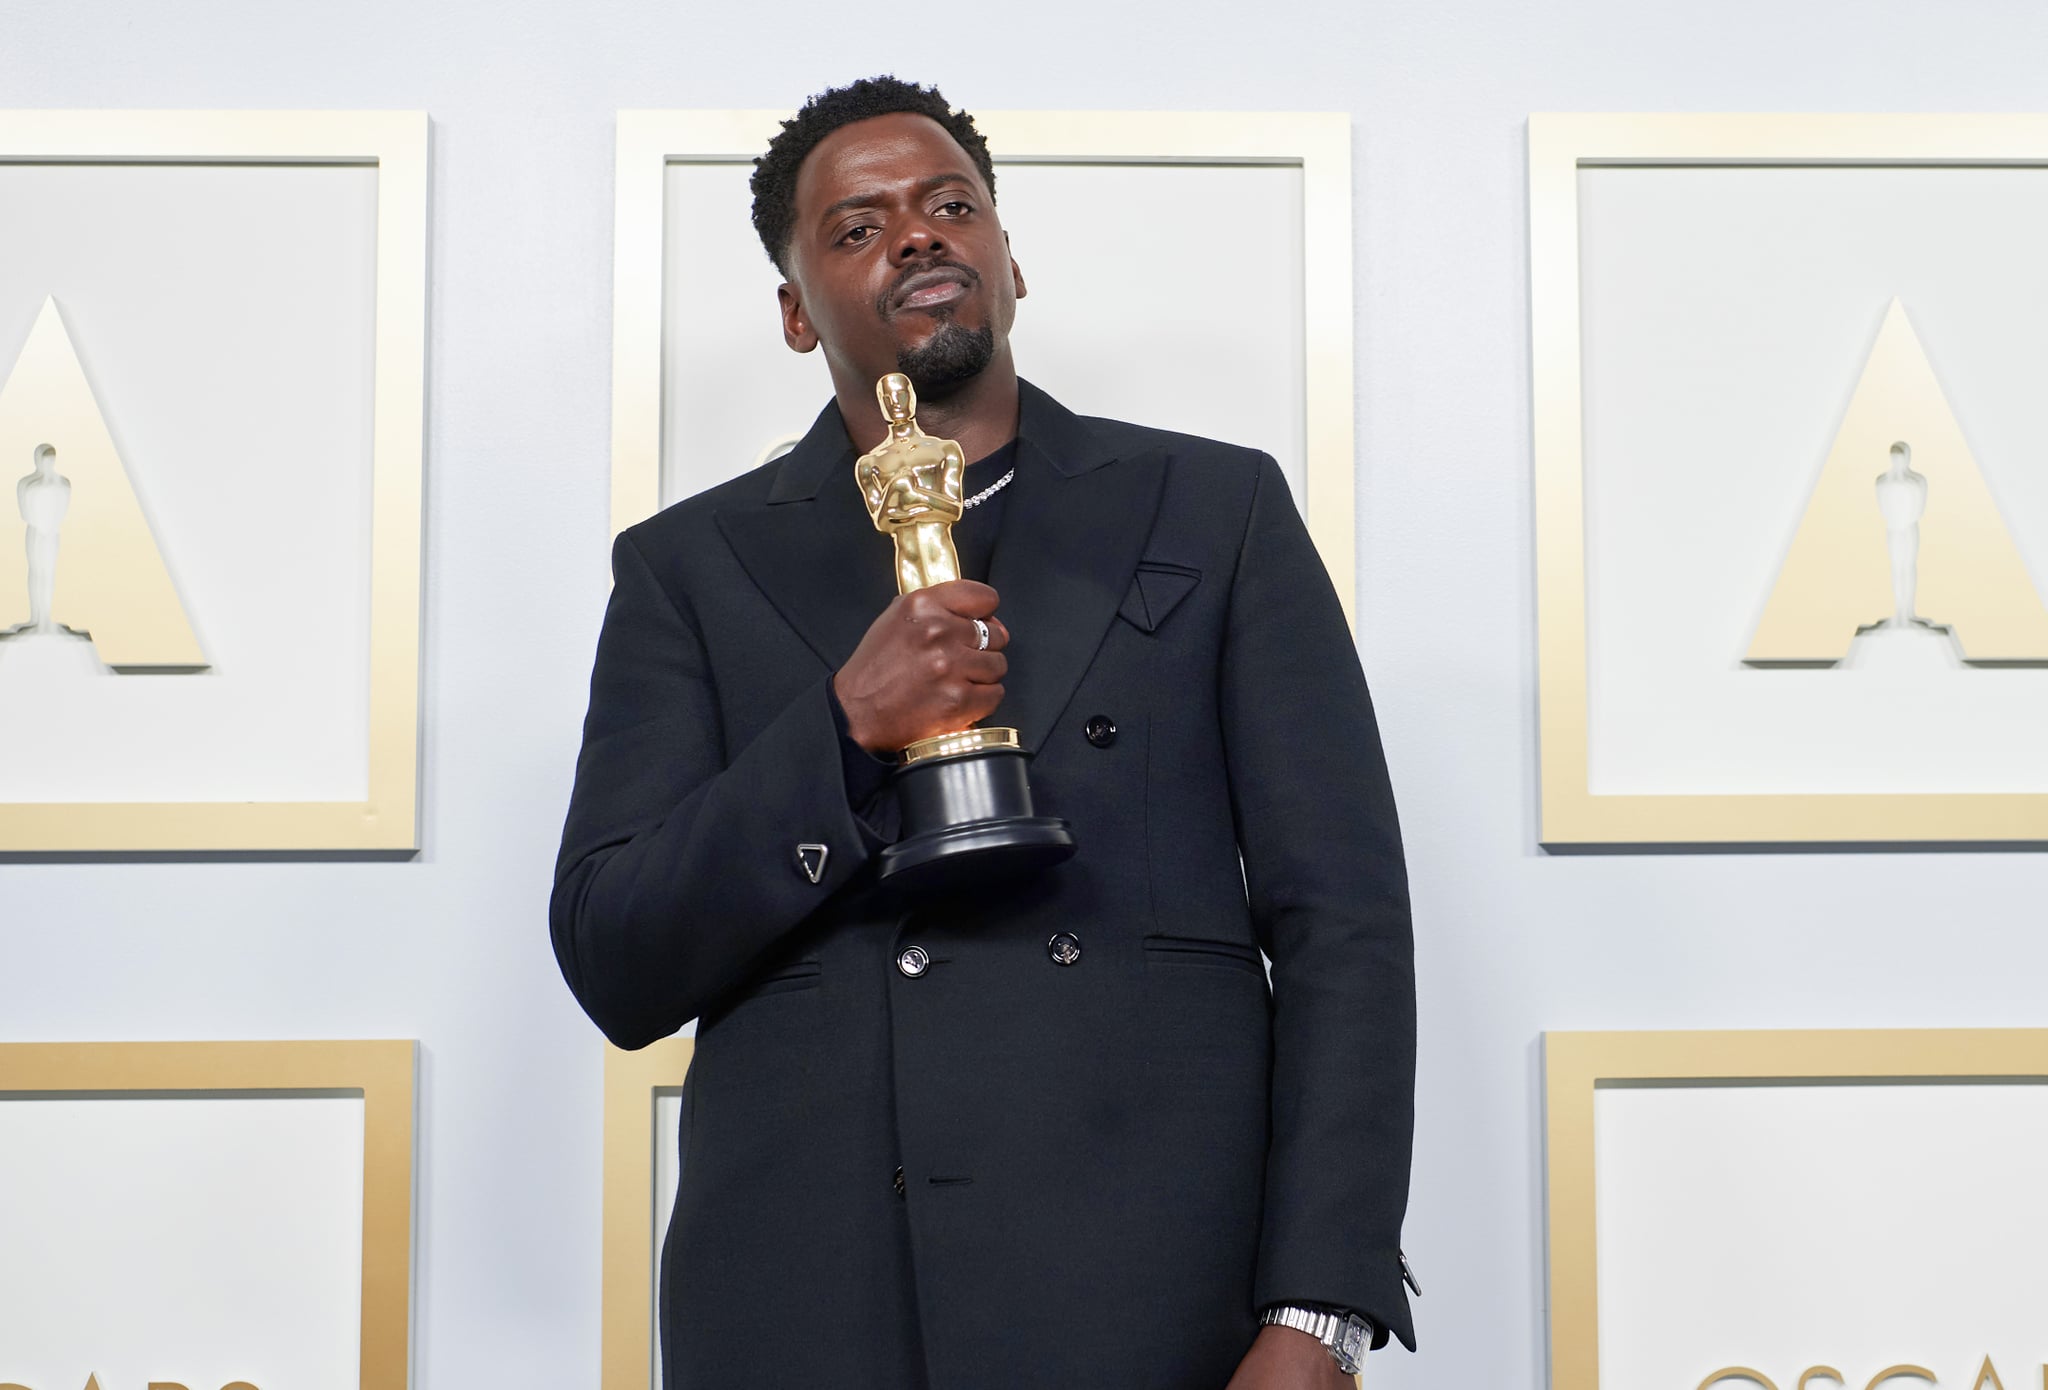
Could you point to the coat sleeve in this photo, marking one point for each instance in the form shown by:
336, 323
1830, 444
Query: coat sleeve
678, 871
1328, 892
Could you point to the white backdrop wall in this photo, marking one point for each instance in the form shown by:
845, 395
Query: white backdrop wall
453, 948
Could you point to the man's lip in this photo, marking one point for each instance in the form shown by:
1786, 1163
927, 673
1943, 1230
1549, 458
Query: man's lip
933, 295
929, 289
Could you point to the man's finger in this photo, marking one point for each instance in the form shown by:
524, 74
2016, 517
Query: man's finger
968, 597
998, 635
984, 668
982, 701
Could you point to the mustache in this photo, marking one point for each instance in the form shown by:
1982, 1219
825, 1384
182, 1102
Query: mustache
886, 304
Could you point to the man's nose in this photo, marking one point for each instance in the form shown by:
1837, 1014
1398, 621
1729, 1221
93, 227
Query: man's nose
919, 238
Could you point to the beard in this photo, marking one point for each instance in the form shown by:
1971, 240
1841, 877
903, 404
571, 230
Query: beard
947, 360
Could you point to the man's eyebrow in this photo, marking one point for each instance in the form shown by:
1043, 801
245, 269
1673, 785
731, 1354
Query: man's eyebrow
938, 181
924, 188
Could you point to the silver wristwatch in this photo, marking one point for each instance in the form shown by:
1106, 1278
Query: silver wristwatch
1346, 1335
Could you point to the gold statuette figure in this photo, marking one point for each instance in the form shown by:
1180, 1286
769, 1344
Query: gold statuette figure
913, 484
967, 814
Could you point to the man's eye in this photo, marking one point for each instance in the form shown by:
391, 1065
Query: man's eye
956, 207
856, 235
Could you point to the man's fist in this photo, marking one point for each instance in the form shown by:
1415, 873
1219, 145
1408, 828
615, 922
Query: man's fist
917, 674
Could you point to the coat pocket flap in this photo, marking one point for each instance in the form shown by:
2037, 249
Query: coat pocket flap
1156, 590
1203, 950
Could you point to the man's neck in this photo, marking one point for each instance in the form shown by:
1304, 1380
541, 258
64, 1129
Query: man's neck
981, 417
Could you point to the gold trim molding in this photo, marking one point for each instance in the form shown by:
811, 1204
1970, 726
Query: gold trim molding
1576, 1065
381, 1072
1559, 147
395, 144
1317, 143
633, 1083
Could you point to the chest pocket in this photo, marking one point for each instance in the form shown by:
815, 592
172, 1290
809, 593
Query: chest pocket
1156, 590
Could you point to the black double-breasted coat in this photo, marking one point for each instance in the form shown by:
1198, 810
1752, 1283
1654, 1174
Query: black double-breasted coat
1108, 1161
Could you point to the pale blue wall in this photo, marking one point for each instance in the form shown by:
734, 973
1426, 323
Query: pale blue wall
452, 949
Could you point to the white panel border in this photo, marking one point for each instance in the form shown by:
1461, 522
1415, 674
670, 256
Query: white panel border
1317, 143
381, 1072
395, 143
1559, 146
1576, 1065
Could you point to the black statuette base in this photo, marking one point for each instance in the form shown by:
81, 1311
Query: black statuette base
968, 822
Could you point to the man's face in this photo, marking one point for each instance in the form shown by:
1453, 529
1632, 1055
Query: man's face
897, 261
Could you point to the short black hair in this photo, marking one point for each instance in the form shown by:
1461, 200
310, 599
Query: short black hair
774, 180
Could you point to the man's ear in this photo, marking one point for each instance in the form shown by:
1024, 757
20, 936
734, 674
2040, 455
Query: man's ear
1016, 271
796, 324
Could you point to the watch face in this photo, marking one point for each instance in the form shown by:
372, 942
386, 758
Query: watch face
1353, 1340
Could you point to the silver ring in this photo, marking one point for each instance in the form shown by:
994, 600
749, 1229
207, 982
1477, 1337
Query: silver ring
981, 635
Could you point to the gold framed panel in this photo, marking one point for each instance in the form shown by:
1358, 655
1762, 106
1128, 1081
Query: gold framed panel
1319, 144
633, 1083
1576, 1065
381, 1072
395, 144
1559, 147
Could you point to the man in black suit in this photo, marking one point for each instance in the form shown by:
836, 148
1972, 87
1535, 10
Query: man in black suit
1060, 1132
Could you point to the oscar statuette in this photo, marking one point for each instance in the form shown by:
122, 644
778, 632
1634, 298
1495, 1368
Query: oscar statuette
964, 796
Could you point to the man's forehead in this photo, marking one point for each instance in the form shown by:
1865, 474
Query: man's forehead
882, 154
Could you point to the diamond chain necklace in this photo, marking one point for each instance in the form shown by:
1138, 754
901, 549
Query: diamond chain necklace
991, 490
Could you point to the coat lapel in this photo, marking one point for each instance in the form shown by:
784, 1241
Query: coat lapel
812, 548
1072, 532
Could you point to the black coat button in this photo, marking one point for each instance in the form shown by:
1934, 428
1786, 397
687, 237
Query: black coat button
1101, 730
1064, 948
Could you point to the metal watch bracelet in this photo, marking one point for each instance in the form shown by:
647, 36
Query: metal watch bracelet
1345, 1335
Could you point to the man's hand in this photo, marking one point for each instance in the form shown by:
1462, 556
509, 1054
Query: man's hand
916, 674
1282, 1358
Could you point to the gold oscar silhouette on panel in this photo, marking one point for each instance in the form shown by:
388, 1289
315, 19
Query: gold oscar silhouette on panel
1901, 535
92, 586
